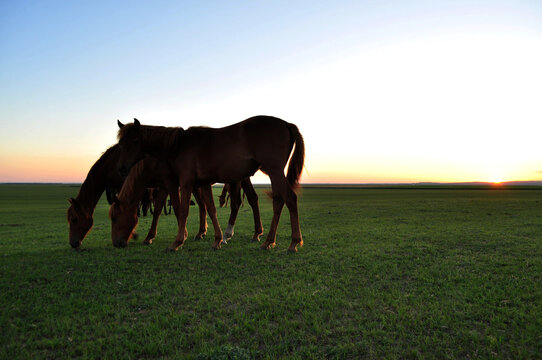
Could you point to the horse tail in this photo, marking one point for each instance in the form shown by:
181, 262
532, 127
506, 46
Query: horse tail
298, 157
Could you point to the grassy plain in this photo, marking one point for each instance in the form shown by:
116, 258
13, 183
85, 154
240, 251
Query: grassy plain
384, 273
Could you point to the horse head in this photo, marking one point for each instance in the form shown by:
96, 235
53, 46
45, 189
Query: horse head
80, 221
130, 145
123, 223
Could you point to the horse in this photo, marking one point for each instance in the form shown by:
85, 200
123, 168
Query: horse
151, 170
201, 156
103, 175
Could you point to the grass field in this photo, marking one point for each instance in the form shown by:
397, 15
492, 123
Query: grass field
384, 273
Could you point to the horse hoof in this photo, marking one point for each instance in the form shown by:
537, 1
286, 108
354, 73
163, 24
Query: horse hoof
200, 235
170, 250
267, 246
148, 242
292, 250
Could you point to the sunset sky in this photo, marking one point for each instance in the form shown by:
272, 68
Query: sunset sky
382, 91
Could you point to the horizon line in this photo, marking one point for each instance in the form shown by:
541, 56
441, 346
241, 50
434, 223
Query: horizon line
538, 182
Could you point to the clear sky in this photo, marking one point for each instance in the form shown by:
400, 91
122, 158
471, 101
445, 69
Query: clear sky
383, 91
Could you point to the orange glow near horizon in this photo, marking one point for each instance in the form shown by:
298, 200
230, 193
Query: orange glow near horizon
74, 170
45, 169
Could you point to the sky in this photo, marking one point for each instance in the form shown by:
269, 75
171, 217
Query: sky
382, 91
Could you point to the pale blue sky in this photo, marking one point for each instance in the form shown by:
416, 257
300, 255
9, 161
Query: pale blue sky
69, 69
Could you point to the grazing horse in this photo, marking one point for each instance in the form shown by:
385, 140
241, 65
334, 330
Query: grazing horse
150, 171
103, 175
123, 211
201, 156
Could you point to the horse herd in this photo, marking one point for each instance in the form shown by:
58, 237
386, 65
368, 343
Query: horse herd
180, 163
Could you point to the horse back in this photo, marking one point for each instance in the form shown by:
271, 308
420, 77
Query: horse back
234, 152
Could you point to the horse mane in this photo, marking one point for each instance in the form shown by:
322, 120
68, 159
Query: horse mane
134, 181
155, 137
111, 154
96, 180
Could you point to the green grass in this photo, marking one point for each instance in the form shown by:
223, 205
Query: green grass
384, 273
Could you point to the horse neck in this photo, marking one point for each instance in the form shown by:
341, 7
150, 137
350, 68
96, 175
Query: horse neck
92, 189
136, 183
97, 178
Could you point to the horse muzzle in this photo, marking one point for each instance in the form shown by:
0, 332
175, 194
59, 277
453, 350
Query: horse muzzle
75, 243
120, 243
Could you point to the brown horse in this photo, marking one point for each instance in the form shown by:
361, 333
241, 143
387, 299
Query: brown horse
151, 170
123, 211
103, 175
201, 156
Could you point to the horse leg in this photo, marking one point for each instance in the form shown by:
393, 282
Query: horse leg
202, 214
290, 198
159, 199
291, 204
252, 198
176, 203
278, 203
182, 215
207, 195
145, 202
153, 193
235, 193
165, 207
222, 197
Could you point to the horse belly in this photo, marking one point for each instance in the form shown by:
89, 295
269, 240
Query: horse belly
231, 171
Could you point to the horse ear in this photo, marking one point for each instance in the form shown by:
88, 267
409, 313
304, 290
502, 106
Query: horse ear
136, 124
121, 125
